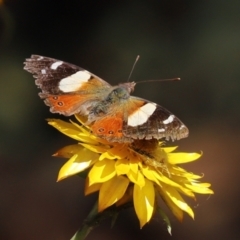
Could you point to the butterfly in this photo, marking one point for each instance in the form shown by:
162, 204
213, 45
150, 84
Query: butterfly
111, 112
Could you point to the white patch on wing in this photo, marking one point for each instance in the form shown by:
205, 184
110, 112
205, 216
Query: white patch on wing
55, 65
74, 81
141, 115
161, 130
43, 71
169, 119
40, 58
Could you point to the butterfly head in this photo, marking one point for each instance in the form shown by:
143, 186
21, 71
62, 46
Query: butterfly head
129, 86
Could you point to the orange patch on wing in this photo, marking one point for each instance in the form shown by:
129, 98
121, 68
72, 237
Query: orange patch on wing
134, 105
108, 127
64, 104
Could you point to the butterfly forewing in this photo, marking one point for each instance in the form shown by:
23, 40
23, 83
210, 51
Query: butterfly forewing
66, 88
52, 75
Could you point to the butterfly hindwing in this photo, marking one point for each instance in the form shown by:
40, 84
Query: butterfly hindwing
110, 128
66, 104
150, 120
136, 118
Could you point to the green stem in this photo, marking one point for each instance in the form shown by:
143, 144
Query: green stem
94, 219
88, 225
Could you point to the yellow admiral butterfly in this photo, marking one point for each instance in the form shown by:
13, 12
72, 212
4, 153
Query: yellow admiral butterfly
111, 112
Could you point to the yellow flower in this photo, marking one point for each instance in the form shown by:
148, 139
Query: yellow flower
142, 172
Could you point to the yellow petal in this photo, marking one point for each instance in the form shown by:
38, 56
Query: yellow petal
122, 166
169, 149
169, 182
111, 191
202, 188
94, 148
178, 158
107, 155
70, 130
134, 166
143, 199
177, 171
136, 178
68, 151
91, 188
102, 171
77, 163
176, 198
149, 174
134, 174
172, 206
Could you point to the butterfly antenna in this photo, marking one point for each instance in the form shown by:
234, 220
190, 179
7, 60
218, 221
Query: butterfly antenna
137, 58
160, 80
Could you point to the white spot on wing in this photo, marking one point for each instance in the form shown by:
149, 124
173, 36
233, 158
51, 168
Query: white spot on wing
169, 119
141, 115
161, 130
43, 71
182, 126
55, 65
40, 58
74, 81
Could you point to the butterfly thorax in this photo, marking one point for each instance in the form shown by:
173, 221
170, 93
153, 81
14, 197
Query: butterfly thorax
117, 95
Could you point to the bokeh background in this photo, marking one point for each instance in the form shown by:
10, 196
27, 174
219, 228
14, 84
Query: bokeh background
198, 41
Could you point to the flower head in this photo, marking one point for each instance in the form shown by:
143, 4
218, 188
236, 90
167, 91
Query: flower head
141, 171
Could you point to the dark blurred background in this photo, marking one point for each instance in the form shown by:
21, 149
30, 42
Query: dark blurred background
198, 41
